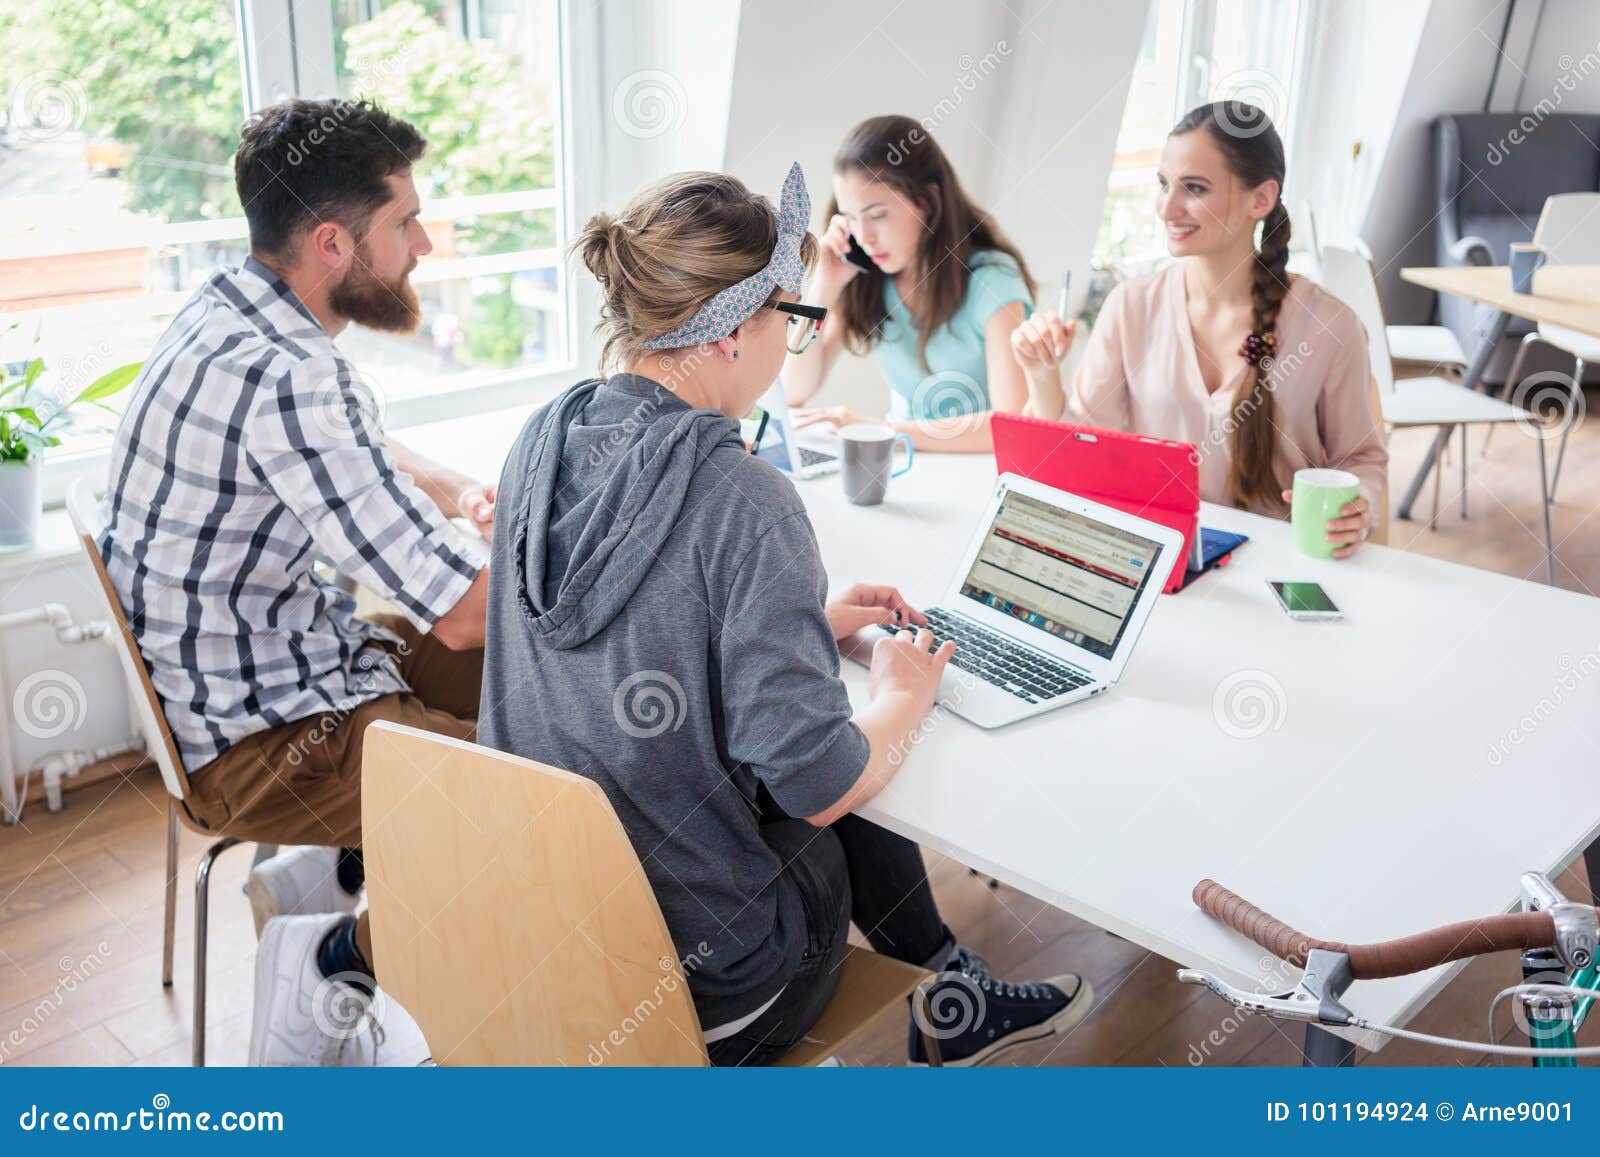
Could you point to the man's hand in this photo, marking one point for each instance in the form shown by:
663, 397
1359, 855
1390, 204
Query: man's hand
476, 505
865, 605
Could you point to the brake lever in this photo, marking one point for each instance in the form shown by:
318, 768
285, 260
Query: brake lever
1315, 999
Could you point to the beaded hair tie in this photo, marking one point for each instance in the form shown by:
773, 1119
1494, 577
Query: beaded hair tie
1258, 346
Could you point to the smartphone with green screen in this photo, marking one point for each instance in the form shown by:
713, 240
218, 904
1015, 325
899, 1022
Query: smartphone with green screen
1304, 600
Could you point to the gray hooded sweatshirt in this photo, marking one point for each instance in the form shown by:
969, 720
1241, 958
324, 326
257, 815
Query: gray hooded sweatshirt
656, 624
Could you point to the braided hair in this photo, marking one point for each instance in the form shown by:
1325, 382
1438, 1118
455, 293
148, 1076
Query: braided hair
1253, 152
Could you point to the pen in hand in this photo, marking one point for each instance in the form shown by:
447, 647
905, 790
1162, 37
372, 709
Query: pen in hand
1061, 307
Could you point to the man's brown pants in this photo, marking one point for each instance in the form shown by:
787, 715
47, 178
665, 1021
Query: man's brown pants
301, 783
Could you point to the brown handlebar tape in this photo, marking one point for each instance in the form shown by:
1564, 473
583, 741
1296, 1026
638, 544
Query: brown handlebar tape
1399, 957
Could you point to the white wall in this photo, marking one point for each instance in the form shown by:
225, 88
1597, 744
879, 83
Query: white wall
1451, 73
1025, 97
1558, 64
1563, 66
1358, 60
646, 86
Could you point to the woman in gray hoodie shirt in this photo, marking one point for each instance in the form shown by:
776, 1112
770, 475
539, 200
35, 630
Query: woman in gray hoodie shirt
658, 622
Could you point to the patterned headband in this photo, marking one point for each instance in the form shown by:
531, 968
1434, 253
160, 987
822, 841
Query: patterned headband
732, 307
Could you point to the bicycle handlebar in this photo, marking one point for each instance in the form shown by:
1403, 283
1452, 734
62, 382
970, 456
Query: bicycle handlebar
1400, 957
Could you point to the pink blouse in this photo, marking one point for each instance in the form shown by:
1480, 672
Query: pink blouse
1140, 373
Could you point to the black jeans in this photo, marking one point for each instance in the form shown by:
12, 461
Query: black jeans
853, 870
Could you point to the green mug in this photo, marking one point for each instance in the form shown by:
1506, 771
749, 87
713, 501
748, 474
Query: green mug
1319, 495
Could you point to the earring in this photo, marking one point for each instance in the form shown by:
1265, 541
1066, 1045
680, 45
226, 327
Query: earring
735, 355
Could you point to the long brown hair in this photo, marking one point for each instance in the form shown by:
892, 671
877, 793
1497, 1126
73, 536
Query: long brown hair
1253, 152
898, 152
676, 244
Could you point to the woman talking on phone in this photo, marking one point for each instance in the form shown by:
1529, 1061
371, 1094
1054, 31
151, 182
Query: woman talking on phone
934, 290
1264, 373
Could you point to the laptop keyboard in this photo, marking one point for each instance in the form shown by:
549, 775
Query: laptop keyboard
1008, 665
809, 457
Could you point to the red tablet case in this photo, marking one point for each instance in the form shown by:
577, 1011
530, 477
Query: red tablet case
1153, 478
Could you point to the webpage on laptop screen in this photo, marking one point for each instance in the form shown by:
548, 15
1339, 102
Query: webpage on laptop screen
1061, 572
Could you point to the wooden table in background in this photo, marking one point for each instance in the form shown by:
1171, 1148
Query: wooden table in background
1565, 295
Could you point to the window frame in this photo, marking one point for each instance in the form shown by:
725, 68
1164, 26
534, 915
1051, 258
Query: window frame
1199, 27
286, 46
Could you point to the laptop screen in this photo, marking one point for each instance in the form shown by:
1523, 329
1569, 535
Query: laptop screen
1061, 572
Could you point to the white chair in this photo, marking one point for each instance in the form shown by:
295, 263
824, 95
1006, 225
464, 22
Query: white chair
88, 520
1569, 233
1433, 346
1306, 260
1428, 401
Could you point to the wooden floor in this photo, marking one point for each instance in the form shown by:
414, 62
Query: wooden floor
80, 892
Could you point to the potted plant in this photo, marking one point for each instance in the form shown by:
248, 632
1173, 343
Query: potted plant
27, 413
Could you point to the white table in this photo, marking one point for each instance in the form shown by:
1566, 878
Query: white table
1369, 806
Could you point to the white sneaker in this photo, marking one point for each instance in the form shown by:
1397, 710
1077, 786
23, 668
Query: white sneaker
305, 1019
297, 882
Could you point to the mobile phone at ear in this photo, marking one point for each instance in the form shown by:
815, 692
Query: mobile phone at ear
1304, 600
857, 256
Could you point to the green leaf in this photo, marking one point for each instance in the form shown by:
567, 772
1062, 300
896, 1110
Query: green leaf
106, 385
26, 413
31, 374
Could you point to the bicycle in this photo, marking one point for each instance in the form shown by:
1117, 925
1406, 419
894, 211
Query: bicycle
1556, 936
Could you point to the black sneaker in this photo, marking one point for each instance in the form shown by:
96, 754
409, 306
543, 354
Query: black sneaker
973, 1017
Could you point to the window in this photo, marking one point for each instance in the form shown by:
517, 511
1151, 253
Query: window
1193, 51
116, 180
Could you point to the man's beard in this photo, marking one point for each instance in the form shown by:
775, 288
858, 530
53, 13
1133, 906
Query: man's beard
366, 299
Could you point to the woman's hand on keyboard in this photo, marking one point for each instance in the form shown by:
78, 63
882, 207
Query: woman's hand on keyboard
907, 663
867, 605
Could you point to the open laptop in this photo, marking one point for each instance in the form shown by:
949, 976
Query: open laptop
1046, 604
801, 454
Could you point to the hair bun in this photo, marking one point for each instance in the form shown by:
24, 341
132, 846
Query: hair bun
597, 247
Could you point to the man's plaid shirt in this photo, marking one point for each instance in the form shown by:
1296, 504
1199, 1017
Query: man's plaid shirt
249, 449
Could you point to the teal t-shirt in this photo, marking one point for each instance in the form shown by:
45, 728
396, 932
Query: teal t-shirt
956, 380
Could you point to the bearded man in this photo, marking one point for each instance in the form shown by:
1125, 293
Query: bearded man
250, 450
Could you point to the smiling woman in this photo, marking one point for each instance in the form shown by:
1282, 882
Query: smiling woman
1191, 352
